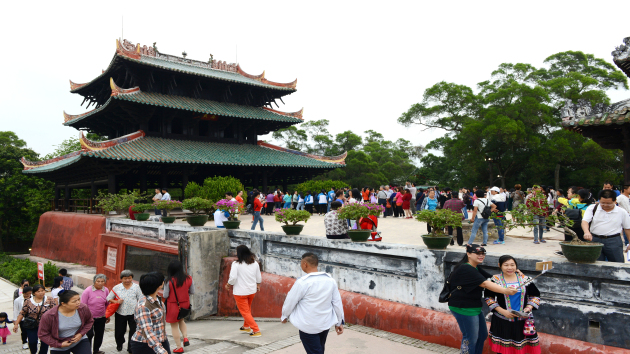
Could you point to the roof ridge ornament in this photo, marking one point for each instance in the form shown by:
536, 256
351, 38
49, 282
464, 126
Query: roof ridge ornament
623, 51
89, 145
262, 79
583, 109
339, 159
297, 114
28, 164
74, 86
121, 91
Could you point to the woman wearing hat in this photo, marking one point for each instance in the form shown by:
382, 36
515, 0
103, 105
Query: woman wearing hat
506, 329
468, 280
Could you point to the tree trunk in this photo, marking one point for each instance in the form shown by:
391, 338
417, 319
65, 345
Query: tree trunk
557, 176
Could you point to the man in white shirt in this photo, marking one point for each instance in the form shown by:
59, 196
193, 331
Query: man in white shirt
497, 198
623, 200
165, 195
602, 222
314, 305
477, 220
156, 197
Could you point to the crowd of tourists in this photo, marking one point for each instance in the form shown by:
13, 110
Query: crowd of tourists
68, 322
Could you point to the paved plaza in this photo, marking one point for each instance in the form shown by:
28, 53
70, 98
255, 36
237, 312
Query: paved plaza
221, 336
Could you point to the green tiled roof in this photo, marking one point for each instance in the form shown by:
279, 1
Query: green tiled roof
160, 150
54, 166
187, 69
617, 117
193, 105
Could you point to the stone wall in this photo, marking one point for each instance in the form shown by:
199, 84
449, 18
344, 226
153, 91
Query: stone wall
581, 301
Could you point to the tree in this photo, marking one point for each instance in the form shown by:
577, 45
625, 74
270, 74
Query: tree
23, 198
71, 145
317, 130
345, 142
293, 138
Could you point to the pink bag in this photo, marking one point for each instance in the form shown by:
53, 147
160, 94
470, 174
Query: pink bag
529, 329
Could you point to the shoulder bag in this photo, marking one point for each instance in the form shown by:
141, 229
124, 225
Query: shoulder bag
112, 307
446, 292
487, 211
183, 312
30, 322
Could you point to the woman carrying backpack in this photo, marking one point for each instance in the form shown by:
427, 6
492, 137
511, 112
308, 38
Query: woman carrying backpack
177, 292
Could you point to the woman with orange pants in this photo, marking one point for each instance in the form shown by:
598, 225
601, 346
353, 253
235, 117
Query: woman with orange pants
245, 278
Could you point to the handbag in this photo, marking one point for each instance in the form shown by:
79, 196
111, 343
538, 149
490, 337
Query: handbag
183, 312
112, 307
446, 292
30, 322
529, 329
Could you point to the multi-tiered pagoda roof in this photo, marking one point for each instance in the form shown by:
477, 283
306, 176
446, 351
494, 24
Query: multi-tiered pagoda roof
169, 119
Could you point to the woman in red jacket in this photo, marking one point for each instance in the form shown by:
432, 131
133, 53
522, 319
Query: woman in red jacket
257, 207
178, 288
64, 328
406, 204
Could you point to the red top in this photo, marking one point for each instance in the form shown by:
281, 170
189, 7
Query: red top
171, 302
276, 198
257, 204
366, 195
455, 205
406, 198
49, 325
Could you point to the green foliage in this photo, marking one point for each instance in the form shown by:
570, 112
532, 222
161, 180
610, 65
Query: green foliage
315, 186
167, 205
292, 216
439, 219
214, 188
353, 211
509, 131
24, 197
292, 137
119, 202
15, 270
198, 205
71, 145
142, 207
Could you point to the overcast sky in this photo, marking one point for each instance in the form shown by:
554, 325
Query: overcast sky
359, 64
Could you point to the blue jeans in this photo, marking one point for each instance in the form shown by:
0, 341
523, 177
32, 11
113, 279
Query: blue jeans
538, 229
328, 208
500, 230
465, 211
257, 218
314, 343
287, 205
479, 221
158, 212
474, 332
300, 206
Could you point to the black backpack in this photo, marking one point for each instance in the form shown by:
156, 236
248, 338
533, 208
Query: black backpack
487, 211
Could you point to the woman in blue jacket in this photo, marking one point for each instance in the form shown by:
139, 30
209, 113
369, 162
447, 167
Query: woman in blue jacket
308, 202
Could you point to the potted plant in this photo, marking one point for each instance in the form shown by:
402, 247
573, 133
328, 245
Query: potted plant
438, 220
355, 211
292, 216
166, 206
576, 250
233, 208
140, 209
199, 207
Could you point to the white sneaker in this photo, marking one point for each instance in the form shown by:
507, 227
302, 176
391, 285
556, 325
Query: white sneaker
25, 346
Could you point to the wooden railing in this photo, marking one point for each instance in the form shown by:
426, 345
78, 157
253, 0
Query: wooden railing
86, 206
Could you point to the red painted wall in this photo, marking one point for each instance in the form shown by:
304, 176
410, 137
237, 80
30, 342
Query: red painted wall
68, 237
415, 322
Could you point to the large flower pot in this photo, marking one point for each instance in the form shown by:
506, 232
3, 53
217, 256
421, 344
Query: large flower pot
197, 220
231, 225
292, 230
168, 219
142, 216
436, 243
359, 235
581, 253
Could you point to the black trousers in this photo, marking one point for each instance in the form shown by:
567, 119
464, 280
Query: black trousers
97, 331
383, 202
32, 342
337, 237
120, 327
323, 208
23, 334
314, 343
395, 210
612, 250
309, 208
82, 348
460, 235
143, 348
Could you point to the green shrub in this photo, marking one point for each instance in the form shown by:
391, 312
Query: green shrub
439, 219
214, 188
119, 202
15, 269
317, 186
198, 205
141, 208
292, 216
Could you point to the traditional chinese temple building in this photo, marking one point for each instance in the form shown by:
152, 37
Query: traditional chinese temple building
170, 120
608, 126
